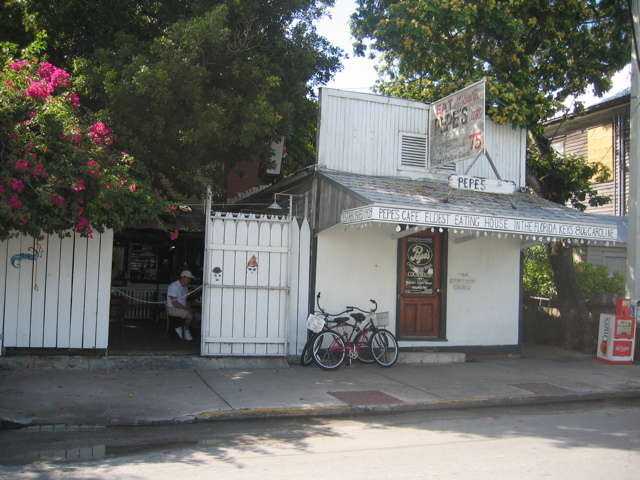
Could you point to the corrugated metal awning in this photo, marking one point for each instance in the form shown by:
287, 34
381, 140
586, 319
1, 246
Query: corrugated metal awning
429, 203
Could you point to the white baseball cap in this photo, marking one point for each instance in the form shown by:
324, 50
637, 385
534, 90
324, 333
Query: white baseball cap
187, 273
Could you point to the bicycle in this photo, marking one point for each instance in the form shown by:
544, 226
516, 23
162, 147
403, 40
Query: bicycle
317, 323
362, 340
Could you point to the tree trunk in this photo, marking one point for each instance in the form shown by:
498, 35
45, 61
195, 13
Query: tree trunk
579, 329
579, 332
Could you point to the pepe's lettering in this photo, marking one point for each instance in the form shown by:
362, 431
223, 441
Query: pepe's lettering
419, 254
472, 183
389, 214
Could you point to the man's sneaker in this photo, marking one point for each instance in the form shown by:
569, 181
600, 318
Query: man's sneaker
179, 332
187, 335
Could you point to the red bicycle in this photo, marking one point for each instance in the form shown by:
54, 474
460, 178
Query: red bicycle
319, 322
359, 338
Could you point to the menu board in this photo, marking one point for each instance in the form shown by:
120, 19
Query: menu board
419, 265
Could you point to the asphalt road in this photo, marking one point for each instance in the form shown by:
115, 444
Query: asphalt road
569, 441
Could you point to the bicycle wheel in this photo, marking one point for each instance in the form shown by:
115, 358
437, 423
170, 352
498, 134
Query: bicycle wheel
328, 350
362, 342
306, 358
384, 348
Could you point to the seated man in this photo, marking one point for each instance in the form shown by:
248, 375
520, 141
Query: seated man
177, 303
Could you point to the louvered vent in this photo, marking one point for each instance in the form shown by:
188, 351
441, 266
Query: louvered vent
447, 168
413, 151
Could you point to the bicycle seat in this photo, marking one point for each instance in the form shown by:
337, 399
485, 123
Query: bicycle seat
359, 317
337, 320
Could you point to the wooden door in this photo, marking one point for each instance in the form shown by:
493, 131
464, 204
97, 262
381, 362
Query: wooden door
420, 285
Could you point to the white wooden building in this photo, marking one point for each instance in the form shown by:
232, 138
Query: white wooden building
384, 215
428, 242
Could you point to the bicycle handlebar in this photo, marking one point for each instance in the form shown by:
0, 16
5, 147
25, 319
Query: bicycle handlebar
375, 307
326, 314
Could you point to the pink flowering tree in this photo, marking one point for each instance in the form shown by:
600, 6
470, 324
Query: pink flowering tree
59, 170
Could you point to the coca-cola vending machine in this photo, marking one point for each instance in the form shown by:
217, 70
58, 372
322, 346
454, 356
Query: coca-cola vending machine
617, 334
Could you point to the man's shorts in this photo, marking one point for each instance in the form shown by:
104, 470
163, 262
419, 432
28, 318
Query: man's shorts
177, 312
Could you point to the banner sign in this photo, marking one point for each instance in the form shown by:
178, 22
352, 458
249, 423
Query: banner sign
456, 129
524, 226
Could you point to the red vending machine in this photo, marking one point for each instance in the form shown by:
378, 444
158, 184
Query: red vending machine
617, 334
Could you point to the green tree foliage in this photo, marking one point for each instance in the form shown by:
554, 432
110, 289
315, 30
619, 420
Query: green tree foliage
533, 55
193, 86
59, 171
537, 277
595, 280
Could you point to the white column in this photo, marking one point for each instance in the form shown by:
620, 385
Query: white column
633, 256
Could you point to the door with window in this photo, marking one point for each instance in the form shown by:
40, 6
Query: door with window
419, 287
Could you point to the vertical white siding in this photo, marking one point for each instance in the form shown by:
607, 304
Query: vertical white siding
360, 133
507, 148
355, 265
61, 300
487, 313
364, 265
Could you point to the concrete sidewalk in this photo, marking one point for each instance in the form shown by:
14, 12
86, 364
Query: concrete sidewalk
107, 393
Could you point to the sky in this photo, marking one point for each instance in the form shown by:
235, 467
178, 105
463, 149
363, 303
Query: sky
359, 73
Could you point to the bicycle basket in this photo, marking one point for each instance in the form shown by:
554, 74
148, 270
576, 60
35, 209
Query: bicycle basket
380, 319
315, 324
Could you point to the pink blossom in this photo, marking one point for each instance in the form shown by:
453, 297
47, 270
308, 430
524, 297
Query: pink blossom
83, 224
58, 201
17, 185
39, 90
174, 235
101, 134
132, 187
19, 66
74, 135
13, 201
1, 188
74, 99
22, 165
54, 75
39, 171
79, 185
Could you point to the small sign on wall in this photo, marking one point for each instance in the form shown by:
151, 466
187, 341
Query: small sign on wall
479, 184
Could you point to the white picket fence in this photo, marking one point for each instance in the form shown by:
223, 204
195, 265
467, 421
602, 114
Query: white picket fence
256, 285
55, 291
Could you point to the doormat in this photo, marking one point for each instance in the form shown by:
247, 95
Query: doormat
542, 388
366, 397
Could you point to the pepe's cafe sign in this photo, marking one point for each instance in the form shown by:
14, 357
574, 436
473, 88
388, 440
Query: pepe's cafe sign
456, 131
448, 219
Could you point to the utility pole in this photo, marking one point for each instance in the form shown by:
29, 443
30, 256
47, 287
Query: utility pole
633, 255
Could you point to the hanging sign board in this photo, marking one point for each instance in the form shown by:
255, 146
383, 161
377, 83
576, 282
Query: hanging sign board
479, 184
456, 130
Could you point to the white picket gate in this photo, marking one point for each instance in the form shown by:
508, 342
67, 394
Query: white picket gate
256, 285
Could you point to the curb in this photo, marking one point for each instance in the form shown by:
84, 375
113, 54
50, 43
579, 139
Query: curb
355, 410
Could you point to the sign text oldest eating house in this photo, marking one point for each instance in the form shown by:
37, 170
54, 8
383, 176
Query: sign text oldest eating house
433, 218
